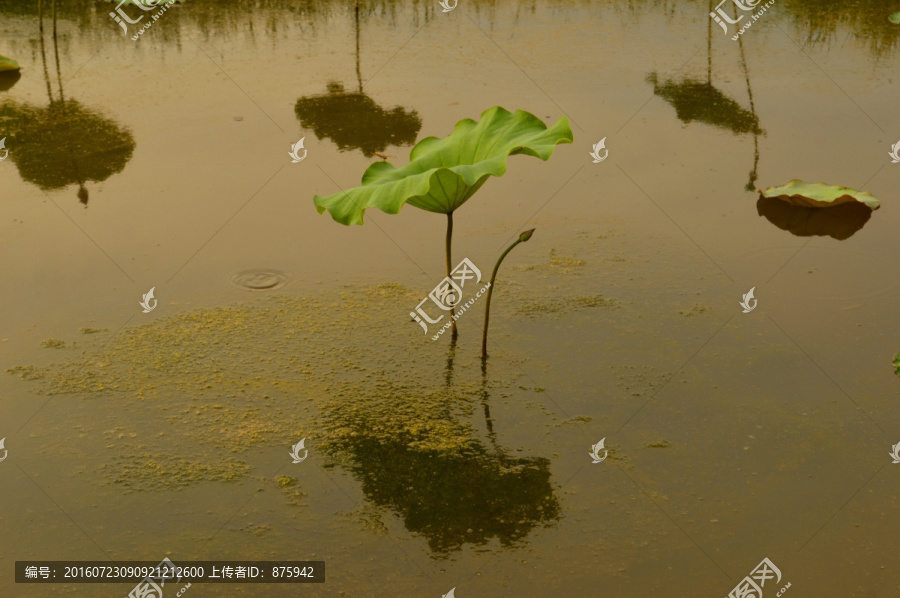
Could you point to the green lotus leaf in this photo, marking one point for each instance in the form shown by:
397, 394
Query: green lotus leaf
897, 358
8, 64
443, 174
895, 18
819, 195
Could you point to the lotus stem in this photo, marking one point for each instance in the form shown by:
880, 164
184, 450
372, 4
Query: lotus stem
487, 307
709, 47
41, 15
54, 18
449, 267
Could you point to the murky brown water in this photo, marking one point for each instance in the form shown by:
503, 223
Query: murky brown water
732, 437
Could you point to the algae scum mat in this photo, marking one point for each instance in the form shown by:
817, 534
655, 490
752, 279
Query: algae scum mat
173, 437
269, 372
190, 400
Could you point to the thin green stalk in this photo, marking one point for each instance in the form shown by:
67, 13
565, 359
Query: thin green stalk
449, 266
487, 308
41, 15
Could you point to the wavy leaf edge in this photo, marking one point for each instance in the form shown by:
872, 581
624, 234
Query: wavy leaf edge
820, 195
537, 140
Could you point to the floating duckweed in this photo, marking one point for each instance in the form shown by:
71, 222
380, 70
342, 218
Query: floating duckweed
219, 383
369, 519
269, 372
259, 530
26, 372
566, 304
566, 261
158, 471
660, 444
590, 301
697, 309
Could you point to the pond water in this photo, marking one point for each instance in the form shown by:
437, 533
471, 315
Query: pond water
730, 437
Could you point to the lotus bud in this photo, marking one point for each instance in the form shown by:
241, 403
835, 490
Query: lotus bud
526, 235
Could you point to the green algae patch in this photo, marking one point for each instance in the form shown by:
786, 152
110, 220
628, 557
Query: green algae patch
660, 444
368, 518
26, 372
284, 481
53, 343
201, 389
564, 305
695, 310
566, 261
206, 397
189, 398
257, 529
556, 264
590, 301
161, 471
